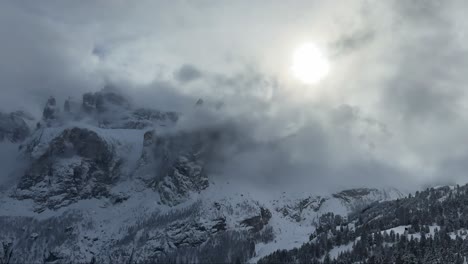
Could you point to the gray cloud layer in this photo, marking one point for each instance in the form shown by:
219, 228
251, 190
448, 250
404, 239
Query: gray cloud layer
391, 112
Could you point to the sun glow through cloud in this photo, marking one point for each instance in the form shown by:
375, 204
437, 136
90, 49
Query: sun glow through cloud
309, 65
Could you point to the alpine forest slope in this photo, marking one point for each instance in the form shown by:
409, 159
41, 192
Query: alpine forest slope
430, 226
102, 181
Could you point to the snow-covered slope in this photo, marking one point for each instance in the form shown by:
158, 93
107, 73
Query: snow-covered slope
107, 182
428, 226
294, 219
135, 220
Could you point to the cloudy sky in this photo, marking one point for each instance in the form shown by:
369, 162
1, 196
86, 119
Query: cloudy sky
391, 111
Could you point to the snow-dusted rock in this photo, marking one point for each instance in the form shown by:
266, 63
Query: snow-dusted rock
305, 207
51, 111
185, 176
109, 109
174, 165
77, 164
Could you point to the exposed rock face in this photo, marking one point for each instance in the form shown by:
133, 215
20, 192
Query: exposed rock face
72, 107
194, 231
356, 199
173, 165
13, 127
146, 168
295, 209
258, 222
50, 110
78, 164
185, 176
103, 101
113, 110
186, 234
144, 117
305, 208
360, 193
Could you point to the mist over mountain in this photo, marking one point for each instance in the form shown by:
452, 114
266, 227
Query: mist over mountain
200, 131
387, 118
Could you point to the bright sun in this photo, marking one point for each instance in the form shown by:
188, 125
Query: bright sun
309, 65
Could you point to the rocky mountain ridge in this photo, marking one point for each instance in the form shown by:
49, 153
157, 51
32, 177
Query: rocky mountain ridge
107, 182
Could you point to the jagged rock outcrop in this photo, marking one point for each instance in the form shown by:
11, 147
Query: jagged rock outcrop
13, 127
185, 176
189, 234
177, 232
144, 117
112, 110
360, 193
258, 222
305, 207
358, 198
77, 164
146, 166
295, 209
50, 111
104, 101
174, 165
72, 107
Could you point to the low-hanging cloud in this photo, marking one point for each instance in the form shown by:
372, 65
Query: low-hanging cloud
391, 112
